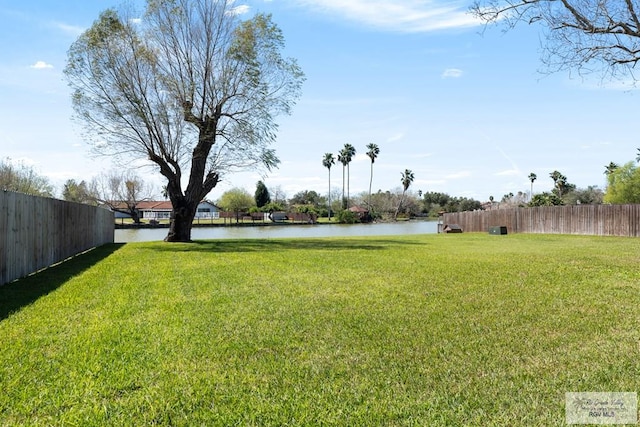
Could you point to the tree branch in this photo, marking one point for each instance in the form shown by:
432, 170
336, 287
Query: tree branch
187, 106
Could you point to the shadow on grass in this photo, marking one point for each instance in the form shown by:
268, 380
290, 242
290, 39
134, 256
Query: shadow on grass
16, 295
270, 245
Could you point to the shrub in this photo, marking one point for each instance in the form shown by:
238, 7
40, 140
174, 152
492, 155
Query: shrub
305, 209
347, 217
272, 207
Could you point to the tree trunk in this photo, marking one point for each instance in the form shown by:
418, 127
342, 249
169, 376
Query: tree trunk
181, 220
344, 201
348, 179
329, 211
370, 182
200, 182
135, 216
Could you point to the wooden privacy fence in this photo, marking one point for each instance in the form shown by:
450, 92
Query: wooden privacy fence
599, 220
36, 232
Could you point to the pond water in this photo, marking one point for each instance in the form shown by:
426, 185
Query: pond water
284, 231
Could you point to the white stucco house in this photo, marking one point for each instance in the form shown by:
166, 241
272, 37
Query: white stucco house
158, 210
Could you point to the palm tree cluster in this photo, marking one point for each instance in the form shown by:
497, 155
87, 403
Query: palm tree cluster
565, 192
345, 156
559, 182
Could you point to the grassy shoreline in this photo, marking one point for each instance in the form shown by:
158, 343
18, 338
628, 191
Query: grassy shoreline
468, 329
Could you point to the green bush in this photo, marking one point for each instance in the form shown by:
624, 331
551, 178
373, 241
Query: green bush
347, 217
546, 199
310, 209
272, 207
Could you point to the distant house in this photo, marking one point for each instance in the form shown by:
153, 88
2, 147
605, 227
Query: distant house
207, 210
155, 210
119, 209
118, 214
362, 213
158, 210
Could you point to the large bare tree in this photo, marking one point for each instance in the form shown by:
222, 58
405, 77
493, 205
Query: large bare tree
590, 36
188, 86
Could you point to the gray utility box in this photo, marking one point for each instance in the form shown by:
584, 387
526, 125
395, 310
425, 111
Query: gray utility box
498, 230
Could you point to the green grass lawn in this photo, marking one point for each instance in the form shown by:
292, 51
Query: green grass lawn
434, 330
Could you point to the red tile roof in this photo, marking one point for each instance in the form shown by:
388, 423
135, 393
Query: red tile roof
150, 205
358, 209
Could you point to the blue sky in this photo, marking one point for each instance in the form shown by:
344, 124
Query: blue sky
466, 110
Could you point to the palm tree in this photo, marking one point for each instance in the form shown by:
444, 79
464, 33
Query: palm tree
638, 156
327, 162
611, 167
407, 179
373, 154
532, 177
350, 152
559, 182
342, 158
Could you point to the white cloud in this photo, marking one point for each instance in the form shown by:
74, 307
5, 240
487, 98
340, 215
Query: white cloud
458, 175
39, 65
508, 172
396, 137
433, 182
421, 155
240, 10
71, 30
409, 16
23, 161
451, 73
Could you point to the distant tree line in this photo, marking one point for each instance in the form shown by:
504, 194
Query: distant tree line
123, 190
623, 182
22, 178
385, 205
435, 202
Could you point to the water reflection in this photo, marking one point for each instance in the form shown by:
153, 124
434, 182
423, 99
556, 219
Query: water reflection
285, 231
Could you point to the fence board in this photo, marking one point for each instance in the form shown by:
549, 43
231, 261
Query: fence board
599, 220
36, 232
